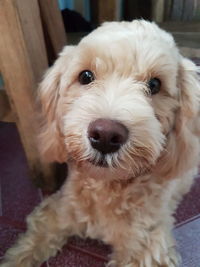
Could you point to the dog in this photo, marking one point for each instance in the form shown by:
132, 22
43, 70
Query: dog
122, 109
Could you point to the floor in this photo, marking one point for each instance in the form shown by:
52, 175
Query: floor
18, 197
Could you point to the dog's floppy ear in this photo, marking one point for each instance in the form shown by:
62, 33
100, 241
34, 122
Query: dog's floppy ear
187, 128
189, 83
183, 140
51, 143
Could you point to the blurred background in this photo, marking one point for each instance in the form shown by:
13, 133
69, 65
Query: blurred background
181, 17
96, 11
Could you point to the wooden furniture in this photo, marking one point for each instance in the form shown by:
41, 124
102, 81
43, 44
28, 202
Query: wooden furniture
23, 60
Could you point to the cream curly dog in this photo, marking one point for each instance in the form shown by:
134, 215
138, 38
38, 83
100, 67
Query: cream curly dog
121, 108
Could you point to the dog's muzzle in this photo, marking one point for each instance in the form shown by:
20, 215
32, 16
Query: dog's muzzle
107, 136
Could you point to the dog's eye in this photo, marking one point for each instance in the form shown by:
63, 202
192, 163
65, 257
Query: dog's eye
154, 85
86, 77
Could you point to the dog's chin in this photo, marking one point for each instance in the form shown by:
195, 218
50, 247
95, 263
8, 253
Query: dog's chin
101, 169
121, 169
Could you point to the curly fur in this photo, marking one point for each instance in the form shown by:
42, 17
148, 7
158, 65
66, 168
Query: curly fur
129, 204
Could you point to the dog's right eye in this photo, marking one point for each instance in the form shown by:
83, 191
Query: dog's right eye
86, 77
154, 85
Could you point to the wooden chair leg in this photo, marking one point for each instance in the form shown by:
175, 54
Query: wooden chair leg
4, 105
107, 10
21, 72
158, 10
53, 27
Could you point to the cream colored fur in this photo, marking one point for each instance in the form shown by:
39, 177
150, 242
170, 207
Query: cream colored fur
128, 205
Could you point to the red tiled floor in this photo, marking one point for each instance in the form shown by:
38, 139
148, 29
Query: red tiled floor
190, 206
72, 257
18, 197
8, 235
94, 249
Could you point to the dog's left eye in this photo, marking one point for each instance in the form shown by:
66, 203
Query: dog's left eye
86, 77
154, 85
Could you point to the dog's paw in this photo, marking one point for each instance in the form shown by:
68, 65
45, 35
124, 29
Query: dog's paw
155, 259
172, 259
149, 259
111, 263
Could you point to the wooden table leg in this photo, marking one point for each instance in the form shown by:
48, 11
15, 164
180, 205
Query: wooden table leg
158, 10
19, 68
53, 27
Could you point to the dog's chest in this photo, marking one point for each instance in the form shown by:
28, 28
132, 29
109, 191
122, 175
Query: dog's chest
103, 203
103, 207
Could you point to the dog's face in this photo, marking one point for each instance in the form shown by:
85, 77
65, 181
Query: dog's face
112, 101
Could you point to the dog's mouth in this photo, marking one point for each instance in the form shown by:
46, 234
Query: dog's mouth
102, 162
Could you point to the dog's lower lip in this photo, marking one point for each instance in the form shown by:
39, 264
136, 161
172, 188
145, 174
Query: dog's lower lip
100, 163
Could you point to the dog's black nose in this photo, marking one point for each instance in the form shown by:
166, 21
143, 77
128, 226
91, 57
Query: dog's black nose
107, 136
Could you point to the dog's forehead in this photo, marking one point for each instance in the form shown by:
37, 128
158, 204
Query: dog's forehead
133, 47
136, 31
